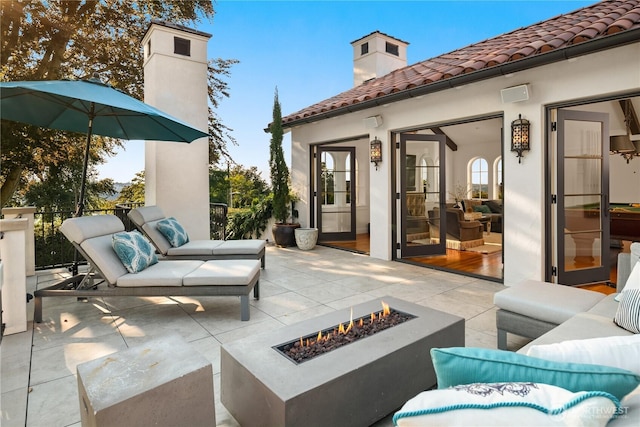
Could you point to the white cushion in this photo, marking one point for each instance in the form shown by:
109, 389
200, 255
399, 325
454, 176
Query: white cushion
145, 214
77, 230
224, 272
156, 237
234, 247
101, 254
507, 404
195, 248
546, 301
619, 351
164, 273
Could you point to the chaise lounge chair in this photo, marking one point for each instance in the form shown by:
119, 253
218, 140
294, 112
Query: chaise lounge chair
94, 238
147, 218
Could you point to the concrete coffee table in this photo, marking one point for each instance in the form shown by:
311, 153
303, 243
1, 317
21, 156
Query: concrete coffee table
357, 384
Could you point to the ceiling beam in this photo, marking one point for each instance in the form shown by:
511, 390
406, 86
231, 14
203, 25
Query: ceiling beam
627, 106
450, 143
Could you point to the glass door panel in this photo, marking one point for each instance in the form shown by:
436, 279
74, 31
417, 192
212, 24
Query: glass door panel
422, 195
336, 188
583, 214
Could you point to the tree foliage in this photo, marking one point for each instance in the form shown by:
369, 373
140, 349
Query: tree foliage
278, 166
134, 192
50, 40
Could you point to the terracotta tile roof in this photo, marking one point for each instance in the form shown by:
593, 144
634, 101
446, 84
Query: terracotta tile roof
539, 41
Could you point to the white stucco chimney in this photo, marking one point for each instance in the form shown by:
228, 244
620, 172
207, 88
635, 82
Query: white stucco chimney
175, 81
377, 54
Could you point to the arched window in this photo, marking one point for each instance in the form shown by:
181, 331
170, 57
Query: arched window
479, 179
497, 170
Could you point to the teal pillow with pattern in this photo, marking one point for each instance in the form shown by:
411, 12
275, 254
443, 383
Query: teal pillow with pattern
173, 232
135, 252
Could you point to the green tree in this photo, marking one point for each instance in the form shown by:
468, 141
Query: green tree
49, 40
278, 166
134, 192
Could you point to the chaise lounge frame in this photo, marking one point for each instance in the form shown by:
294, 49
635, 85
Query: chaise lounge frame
84, 285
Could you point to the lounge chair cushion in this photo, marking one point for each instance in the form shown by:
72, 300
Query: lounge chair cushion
100, 251
223, 272
232, 247
156, 237
173, 231
135, 252
164, 273
195, 248
86, 227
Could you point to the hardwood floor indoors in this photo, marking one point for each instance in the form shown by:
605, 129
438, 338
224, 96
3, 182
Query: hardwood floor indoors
473, 263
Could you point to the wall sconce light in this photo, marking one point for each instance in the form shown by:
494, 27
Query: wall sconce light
376, 151
520, 136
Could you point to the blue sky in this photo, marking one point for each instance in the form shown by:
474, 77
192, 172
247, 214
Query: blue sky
303, 48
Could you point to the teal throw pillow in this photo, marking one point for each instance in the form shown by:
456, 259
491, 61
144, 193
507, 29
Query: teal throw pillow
173, 232
482, 208
135, 252
466, 365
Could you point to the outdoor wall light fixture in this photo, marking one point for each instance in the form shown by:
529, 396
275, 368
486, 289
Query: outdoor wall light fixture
376, 151
520, 136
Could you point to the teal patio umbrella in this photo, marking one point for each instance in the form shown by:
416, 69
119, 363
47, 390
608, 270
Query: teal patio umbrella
91, 107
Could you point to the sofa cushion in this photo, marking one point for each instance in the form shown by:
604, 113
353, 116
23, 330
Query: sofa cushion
494, 205
619, 351
482, 208
501, 404
580, 326
633, 281
546, 301
465, 365
135, 252
173, 231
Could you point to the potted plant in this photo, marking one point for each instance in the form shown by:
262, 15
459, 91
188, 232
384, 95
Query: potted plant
283, 231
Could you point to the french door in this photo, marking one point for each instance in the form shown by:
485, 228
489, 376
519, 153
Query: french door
422, 196
582, 197
336, 203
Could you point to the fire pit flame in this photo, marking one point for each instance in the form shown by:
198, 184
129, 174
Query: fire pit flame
329, 339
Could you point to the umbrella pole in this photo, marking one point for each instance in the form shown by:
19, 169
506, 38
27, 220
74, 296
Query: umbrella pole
83, 182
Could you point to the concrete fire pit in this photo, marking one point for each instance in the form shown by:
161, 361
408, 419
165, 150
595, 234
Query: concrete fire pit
357, 384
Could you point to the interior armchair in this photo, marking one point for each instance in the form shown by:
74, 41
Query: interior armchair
457, 226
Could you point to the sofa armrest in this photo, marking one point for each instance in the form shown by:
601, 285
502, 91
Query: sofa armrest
624, 270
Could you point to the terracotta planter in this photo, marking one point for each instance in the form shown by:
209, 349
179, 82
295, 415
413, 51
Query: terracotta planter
306, 238
283, 234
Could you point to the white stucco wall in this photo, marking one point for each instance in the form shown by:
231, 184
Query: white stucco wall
177, 84
584, 77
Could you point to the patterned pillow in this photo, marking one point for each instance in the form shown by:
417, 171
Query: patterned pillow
628, 314
173, 231
508, 404
135, 252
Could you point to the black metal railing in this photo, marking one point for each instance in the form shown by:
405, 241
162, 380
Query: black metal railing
53, 250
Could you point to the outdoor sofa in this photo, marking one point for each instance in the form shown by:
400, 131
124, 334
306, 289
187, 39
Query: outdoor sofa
581, 368
148, 218
129, 266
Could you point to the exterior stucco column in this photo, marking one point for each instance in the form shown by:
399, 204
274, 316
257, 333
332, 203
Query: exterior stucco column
175, 81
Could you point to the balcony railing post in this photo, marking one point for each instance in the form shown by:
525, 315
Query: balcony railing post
30, 252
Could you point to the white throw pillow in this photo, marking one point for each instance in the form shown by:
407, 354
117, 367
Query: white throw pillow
633, 281
619, 351
507, 404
